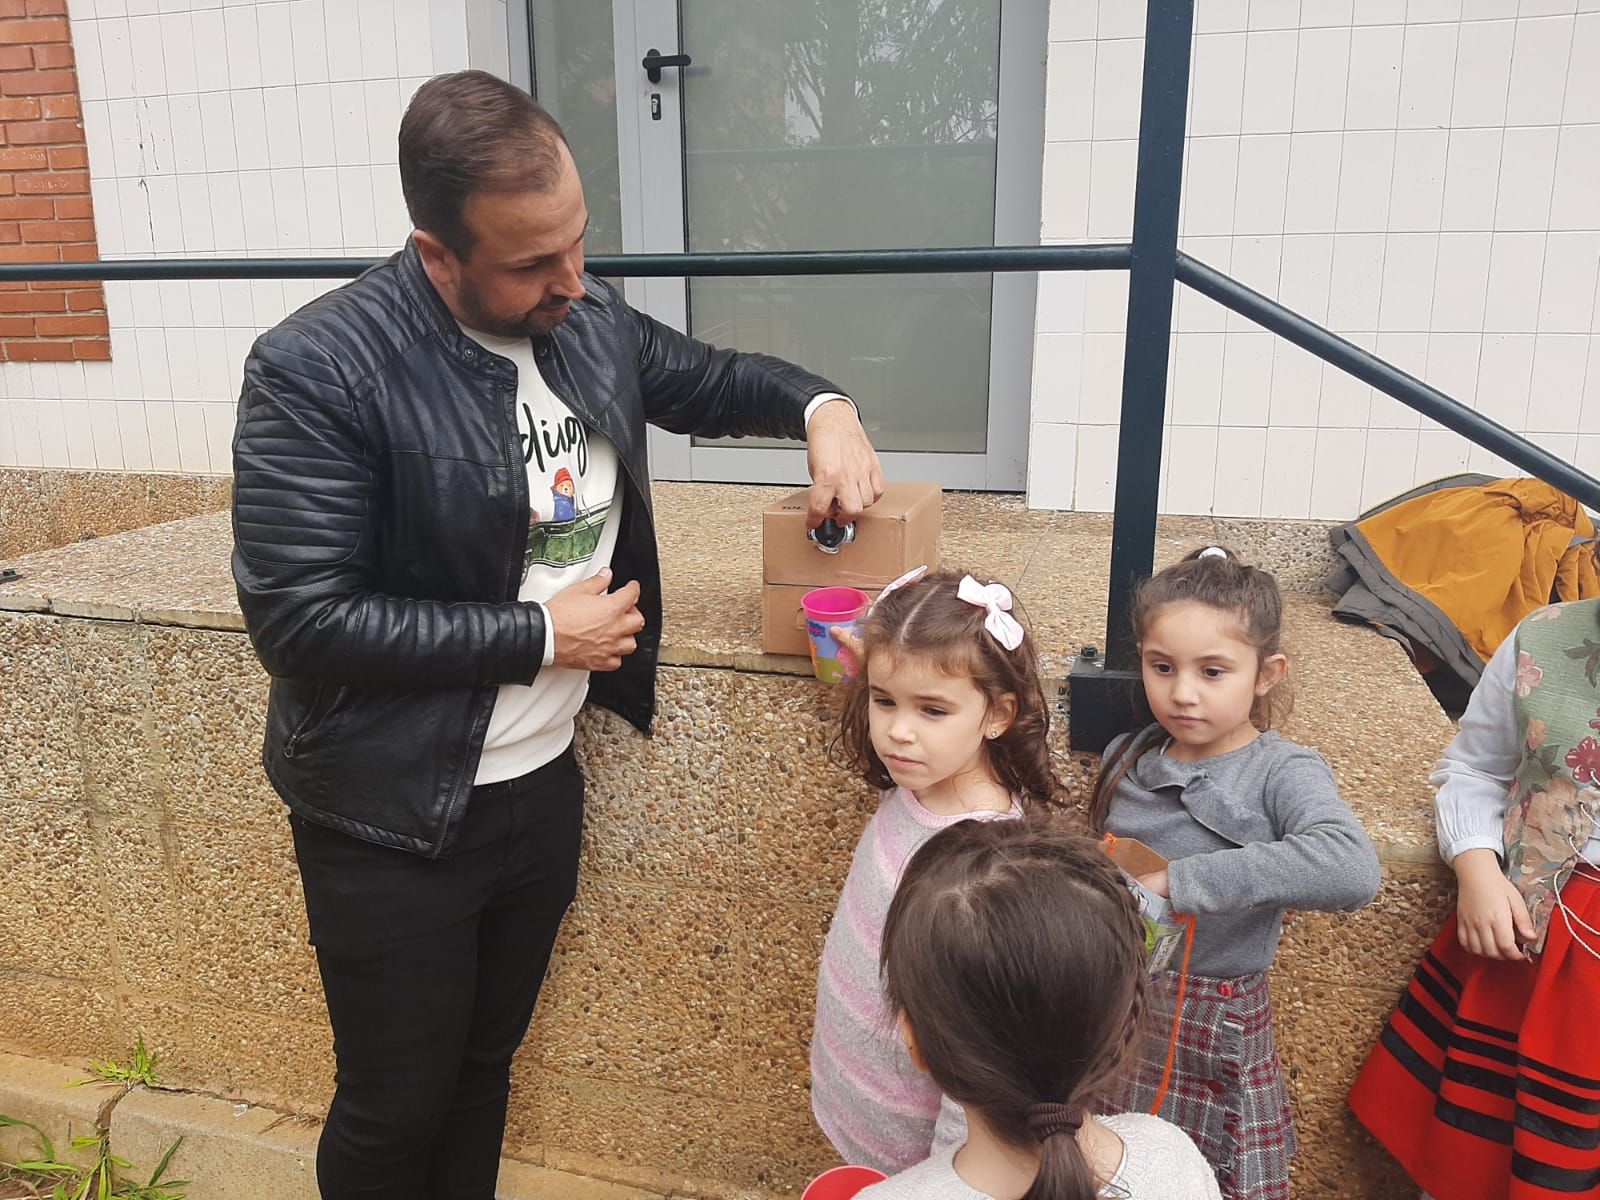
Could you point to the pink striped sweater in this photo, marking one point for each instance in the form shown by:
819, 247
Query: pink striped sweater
875, 1107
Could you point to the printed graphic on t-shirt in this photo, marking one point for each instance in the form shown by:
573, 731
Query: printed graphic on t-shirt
562, 528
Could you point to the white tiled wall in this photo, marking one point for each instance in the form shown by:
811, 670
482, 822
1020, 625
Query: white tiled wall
221, 129
1423, 176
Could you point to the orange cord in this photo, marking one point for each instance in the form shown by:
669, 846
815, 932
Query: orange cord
1177, 1016
1109, 841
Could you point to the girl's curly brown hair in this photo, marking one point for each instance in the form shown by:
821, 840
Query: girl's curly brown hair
926, 620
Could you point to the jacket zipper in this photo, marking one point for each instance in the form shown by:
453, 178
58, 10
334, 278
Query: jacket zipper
519, 474
481, 714
639, 493
292, 745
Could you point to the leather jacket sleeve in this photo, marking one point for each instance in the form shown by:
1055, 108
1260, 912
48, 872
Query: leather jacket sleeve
691, 387
305, 536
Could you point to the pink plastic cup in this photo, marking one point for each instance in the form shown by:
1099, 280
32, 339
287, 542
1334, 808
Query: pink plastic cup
825, 609
841, 1183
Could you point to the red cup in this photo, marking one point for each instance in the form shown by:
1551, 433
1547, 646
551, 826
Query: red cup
841, 1183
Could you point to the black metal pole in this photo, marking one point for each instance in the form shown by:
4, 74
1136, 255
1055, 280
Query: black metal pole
190, 268
1407, 389
1169, 25
1109, 257
1112, 257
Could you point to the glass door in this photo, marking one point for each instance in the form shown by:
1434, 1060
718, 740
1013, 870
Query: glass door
825, 125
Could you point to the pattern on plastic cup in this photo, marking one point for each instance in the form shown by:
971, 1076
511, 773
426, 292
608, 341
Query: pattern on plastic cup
841, 1183
825, 608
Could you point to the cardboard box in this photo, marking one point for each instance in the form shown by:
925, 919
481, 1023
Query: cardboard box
1134, 857
897, 533
1164, 930
783, 624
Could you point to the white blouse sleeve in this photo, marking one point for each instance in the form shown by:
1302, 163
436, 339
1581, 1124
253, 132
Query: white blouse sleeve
1474, 774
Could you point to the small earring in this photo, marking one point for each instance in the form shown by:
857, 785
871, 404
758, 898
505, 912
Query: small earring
993, 733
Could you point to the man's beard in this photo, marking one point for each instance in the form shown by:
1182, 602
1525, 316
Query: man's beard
532, 323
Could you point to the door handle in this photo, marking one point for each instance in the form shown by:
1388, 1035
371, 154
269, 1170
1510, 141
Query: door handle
654, 60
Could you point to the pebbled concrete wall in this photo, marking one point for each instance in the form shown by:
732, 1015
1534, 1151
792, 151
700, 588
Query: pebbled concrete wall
151, 885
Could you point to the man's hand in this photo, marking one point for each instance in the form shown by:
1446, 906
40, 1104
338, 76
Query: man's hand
1490, 913
593, 630
845, 476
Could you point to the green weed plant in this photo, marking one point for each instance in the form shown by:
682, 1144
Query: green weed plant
106, 1175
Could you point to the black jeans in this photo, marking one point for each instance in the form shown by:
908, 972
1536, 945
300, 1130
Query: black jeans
431, 969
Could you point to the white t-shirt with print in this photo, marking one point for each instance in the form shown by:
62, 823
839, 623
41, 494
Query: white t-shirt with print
575, 498
575, 501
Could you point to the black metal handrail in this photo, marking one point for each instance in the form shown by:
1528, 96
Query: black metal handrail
1110, 256
1208, 281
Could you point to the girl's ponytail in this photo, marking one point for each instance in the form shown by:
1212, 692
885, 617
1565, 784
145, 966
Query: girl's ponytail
1016, 956
1064, 1170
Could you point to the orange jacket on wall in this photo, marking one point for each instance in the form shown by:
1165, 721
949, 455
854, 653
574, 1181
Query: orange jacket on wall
1488, 556
1451, 572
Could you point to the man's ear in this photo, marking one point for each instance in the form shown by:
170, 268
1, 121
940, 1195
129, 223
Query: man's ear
438, 260
910, 1039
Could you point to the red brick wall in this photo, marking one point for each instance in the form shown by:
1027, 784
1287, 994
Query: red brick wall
45, 212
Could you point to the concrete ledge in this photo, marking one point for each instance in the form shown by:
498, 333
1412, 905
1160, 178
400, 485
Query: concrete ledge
230, 1151
41, 1093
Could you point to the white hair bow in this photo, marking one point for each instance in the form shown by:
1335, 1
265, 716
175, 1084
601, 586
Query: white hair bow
995, 597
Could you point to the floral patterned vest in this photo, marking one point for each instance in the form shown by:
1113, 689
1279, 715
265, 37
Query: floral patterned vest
1556, 793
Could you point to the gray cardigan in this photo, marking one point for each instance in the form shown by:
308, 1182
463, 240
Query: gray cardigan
1248, 834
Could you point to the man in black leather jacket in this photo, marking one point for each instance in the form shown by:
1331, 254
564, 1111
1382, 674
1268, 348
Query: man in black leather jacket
440, 474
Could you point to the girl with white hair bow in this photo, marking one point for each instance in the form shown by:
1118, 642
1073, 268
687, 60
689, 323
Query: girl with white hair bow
947, 715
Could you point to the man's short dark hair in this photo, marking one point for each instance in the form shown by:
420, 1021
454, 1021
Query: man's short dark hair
472, 132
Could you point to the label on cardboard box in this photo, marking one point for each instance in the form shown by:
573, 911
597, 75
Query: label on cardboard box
897, 533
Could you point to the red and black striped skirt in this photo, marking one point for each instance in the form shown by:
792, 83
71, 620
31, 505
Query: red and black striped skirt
1485, 1084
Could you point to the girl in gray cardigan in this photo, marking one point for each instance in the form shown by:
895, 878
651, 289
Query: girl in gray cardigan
1250, 825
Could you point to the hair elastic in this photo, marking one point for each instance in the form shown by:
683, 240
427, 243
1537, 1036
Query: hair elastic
1047, 1120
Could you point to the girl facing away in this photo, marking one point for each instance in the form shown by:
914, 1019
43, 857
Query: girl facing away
1251, 824
947, 715
1486, 1083
1014, 959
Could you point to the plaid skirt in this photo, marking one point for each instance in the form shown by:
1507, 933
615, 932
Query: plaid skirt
1226, 1091
1486, 1083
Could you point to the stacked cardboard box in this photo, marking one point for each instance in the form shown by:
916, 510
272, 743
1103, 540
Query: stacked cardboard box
897, 533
